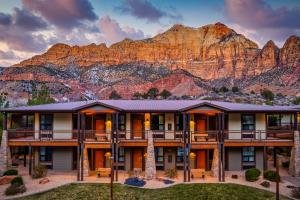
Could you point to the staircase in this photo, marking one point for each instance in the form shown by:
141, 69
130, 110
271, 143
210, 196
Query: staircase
150, 172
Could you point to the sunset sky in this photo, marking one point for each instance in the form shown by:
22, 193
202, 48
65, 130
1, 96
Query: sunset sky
29, 27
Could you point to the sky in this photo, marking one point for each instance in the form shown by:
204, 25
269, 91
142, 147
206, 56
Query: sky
30, 27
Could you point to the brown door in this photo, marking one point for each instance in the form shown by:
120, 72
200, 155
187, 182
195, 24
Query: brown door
201, 156
99, 159
137, 128
100, 126
200, 125
137, 158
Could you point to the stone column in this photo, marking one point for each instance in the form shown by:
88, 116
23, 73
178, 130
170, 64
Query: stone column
86, 167
294, 168
5, 157
150, 172
215, 163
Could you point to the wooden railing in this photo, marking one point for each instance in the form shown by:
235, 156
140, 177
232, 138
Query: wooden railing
259, 135
20, 134
204, 136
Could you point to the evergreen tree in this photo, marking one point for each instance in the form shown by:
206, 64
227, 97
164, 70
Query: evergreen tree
114, 95
41, 96
165, 94
153, 93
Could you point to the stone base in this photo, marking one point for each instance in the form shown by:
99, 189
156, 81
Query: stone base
5, 157
150, 172
215, 163
86, 168
294, 168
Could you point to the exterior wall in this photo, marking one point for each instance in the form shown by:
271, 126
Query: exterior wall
260, 125
108, 125
62, 158
259, 158
36, 125
62, 126
127, 159
234, 124
192, 122
128, 125
234, 159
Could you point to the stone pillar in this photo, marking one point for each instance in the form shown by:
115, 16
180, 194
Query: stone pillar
150, 159
5, 157
215, 163
294, 168
86, 167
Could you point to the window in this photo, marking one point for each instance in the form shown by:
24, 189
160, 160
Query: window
157, 122
248, 122
45, 154
122, 122
75, 119
46, 122
178, 122
22, 121
248, 157
180, 153
159, 154
121, 154
273, 120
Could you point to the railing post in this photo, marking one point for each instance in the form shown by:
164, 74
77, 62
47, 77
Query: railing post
184, 147
78, 146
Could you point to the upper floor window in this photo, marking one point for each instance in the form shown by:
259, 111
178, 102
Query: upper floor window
248, 122
178, 122
273, 120
122, 122
157, 122
46, 122
22, 121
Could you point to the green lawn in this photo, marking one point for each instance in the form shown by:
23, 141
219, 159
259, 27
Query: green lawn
182, 191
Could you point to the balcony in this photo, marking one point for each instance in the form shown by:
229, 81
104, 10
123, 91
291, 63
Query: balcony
204, 136
20, 134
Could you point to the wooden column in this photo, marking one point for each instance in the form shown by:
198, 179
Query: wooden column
219, 147
189, 147
117, 146
265, 158
5, 121
296, 123
207, 160
25, 159
78, 147
223, 147
184, 147
275, 156
30, 160
82, 143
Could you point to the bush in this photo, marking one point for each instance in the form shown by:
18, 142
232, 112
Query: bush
171, 173
234, 176
252, 174
10, 172
286, 164
267, 94
271, 176
135, 182
167, 182
234, 89
17, 181
39, 171
296, 193
265, 184
15, 189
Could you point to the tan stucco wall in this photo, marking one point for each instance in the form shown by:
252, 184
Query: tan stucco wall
36, 125
169, 119
62, 126
234, 124
128, 125
260, 125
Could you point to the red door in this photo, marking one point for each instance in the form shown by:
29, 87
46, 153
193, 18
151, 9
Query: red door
137, 128
100, 126
99, 159
200, 125
137, 158
201, 159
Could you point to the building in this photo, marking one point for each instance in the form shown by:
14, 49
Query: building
149, 135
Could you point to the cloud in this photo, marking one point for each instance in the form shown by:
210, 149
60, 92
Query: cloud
63, 13
144, 9
268, 22
28, 21
112, 32
5, 19
8, 55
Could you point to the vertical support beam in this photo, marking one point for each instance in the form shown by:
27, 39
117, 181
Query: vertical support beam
207, 160
189, 147
296, 123
78, 146
4, 121
223, 147
265, 159
30, 160
25, 159
33, 158
112, 159
82, 143
275, 157
117, 146
219, 147
184, 147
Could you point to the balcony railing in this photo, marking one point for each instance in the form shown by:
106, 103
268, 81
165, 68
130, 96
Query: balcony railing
167, 135
20, 134
204, 136
259, 135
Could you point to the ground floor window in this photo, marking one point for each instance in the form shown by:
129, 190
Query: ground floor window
121, 154
159, 154
248, 157
180, 153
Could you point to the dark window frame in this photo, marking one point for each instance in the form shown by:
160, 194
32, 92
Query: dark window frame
157, 126
159, 158
179, 157
122, 124
48, 155
248, 124
26, 125
49, 125
178, 123
121, 156
246, 163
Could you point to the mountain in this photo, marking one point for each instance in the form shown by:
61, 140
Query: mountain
184, 60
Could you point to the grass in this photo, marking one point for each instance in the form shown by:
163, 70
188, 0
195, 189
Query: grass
207, 191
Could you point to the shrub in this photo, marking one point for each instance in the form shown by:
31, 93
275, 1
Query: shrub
171, 173
234, 89
286, 164
267, 94
135, 182
252, 174
234, 176
10, 172
15, 189
167, 181
271, 176
223, 89
39, 171
265, 184
17, 181
296, 193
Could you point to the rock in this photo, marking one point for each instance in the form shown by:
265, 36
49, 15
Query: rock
44, 180
6, 179
289, 54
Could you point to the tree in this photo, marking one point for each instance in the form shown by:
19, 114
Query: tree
153, 93
165, 94
296, 101
234, 89
137, 95
114, 95
3, 104
223, 89
267, 94
41, 96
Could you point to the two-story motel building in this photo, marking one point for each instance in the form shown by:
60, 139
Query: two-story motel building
78, 135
